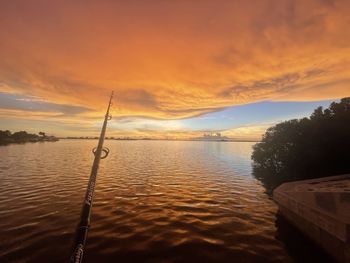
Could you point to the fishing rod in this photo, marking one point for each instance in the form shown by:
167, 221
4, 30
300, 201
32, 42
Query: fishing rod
83, 226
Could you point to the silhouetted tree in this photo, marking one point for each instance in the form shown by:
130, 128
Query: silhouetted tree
22, 136
5, 134
43, 134
305, 148
5, 137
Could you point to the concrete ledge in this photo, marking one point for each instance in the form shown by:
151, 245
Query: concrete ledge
320, 208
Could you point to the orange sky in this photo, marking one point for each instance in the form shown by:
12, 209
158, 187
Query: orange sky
172, 59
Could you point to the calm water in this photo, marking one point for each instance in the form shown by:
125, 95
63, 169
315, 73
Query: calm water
155, 201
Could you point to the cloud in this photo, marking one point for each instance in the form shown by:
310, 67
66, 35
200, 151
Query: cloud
253, 133
10, 101
137, 99
281, 85
172, 59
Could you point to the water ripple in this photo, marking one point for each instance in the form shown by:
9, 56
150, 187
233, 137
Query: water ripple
155, 201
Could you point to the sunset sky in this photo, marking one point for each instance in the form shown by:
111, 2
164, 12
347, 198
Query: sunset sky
178, 68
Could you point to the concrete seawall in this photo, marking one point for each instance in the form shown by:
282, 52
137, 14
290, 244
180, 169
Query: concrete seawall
320, 208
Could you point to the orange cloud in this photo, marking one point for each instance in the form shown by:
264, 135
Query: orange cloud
174, 59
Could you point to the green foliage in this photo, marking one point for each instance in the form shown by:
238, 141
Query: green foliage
305, 148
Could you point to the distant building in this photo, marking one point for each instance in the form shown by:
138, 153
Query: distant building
212, 136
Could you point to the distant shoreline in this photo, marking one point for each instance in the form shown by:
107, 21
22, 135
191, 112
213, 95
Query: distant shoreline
148, 139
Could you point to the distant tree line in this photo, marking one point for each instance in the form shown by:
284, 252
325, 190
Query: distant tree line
305, 148
7, 137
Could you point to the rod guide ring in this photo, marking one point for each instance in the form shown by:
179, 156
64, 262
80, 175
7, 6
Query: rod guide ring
105, 150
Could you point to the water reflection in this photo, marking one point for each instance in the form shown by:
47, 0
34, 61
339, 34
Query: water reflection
155, 201
299, 247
